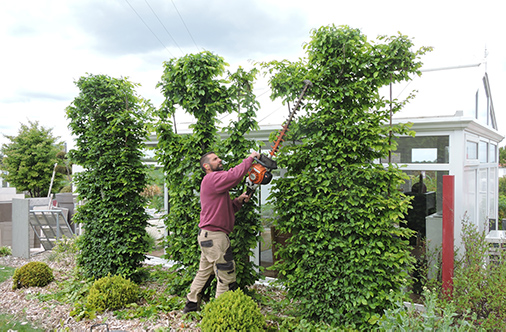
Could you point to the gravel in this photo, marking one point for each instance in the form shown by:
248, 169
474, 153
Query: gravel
55, 316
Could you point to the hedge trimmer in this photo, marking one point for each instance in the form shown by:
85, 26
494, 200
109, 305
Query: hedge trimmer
260, 171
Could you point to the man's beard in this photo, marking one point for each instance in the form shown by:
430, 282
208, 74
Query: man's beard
217, 168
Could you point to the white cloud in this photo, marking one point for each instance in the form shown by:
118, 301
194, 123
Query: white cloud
48, 44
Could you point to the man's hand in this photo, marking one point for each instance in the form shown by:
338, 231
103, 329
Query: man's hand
244, 198
255, 155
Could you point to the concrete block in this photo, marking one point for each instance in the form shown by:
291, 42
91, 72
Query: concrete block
42, 202
20, 228
7, 194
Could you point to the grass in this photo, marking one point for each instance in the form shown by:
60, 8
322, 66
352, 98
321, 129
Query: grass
13, 323
10, 322
6, 272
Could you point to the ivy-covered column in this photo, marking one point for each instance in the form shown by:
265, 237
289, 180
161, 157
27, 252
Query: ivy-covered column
347, 259
197, 84
108, 121
235, 148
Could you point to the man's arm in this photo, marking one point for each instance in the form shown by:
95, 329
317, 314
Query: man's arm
238, 201
224, 181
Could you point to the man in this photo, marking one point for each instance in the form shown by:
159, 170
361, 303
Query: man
217, 219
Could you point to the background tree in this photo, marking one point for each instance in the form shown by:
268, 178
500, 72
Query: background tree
502, 155
29, 160
197, 84
347, 259
107, 118
64, 168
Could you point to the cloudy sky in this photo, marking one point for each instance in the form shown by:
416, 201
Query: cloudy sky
48, 44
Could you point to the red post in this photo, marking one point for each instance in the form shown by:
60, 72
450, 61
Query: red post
448, 235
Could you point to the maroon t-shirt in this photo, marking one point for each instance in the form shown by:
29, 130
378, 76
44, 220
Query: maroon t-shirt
218, 209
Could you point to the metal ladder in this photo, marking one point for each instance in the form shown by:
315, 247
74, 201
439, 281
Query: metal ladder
50, 225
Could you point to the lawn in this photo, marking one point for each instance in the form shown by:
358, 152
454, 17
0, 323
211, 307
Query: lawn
10, 322
6, 272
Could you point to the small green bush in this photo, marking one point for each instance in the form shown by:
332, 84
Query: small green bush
5, 251
33, 274
112, 292
232, 311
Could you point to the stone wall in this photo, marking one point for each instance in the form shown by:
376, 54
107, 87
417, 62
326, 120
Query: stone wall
6, 196
5, 224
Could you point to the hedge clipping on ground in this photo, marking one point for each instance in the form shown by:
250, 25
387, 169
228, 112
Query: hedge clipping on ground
33, 274
232, 311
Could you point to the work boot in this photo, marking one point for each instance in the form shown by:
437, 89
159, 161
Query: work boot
190, 306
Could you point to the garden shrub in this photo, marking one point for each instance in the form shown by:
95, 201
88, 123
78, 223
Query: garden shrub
33, 274
109, 122
112, 292
27, 160
341, 206
479, 282
196, 83
232, 311
477, 301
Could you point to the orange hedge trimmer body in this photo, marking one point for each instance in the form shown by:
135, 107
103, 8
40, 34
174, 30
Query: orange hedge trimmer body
260, 172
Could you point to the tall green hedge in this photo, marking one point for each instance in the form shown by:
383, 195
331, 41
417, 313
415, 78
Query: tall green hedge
236, 147
108, 120
347, 258
198, 84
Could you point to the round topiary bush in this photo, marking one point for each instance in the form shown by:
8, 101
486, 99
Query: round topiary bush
33, 274
232, 311
112, 292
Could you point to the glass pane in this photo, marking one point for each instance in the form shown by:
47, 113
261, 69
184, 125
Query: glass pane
424, 155
482, 197
482, 212
421, 149
492, 209
483, 151
492, 153
470, 195
483, 180
267, 218
431, 188
471, 150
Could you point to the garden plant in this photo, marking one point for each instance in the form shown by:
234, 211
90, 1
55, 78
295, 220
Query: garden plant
479, 280
201, 86
108, 120
33, 274
346, 260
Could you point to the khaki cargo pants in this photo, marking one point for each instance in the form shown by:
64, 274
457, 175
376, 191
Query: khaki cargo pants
216, 259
